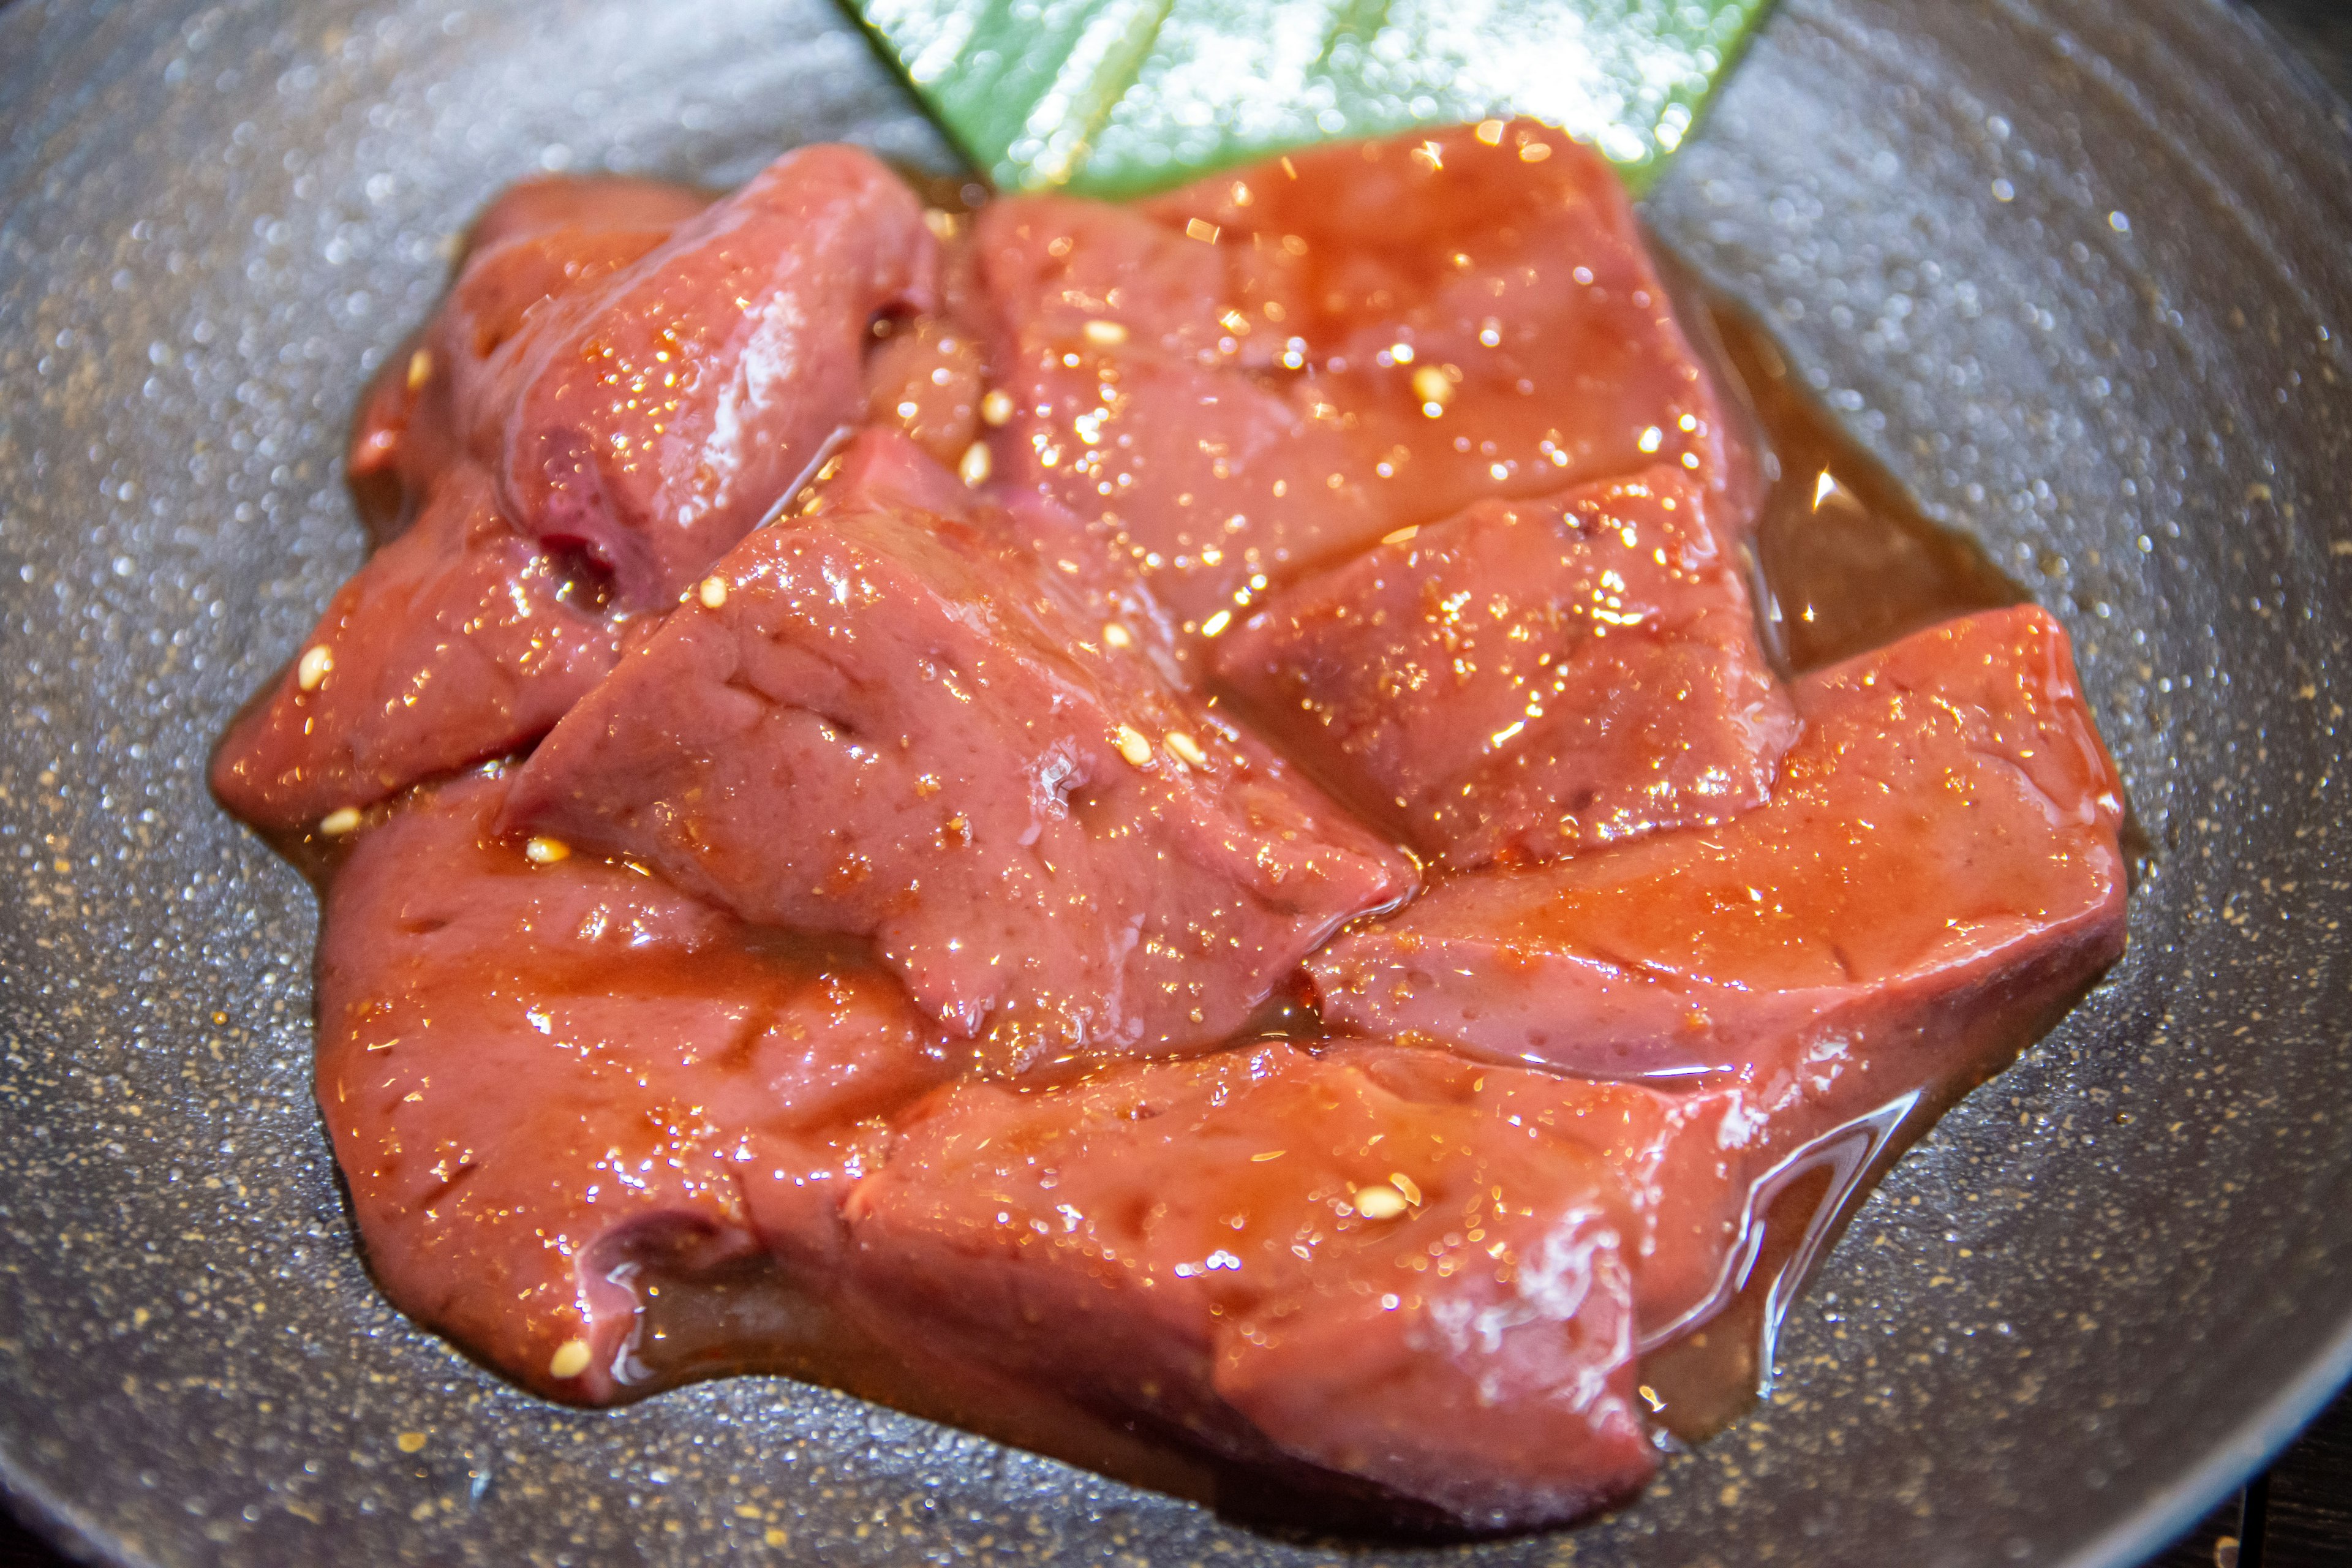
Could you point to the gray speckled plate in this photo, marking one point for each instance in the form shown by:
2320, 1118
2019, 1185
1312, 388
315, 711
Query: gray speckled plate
2078, 268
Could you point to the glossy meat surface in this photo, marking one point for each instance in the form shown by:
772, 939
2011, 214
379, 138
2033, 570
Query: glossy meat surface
881, 720
902, 938
1275, 368
545, 1081
540, 244
1942, 846
681, 403
456, 643
1526, 679
1268, 1250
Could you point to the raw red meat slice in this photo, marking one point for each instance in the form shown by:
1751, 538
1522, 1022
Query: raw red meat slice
1275, 368
551, 1085
540, 243
456, 642
1526, 679
1940, 863
1280, 1257
878, 720
664, 419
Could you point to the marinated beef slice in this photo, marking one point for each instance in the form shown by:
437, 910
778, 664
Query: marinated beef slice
540, 246
880, 720
1939, 862
1284, 1259
662, 419
1277, 367
1528, 678
456, 642
552, 1085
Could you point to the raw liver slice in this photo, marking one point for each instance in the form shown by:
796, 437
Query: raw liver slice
1184, 1245
539, 244
542, 1080
456, 642
1939, 857
891, 724
1216, 376
1526, 679
664, 419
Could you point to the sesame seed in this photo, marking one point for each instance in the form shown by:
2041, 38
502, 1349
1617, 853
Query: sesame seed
1106, 335
410, 1442
1187, 748
713, 593
546, 851
996, 408
570, 1359
420, 368
337, 822
1379, 1202
974, 464
314, 667
1402, 535
1269, 1154
1115, 636
1133, 746
1216, 623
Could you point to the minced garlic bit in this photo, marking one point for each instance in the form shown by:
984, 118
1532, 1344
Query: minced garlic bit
1379, 1202
1187, 748
1202, 229
996, 408
1433, 385
1490, 131
570, 1359
316, 664
420, 368
943, 224
973, 465
1133, 746
337, 822
541, 851
1115, 636
1106, 335
410, 1442
1407, 1185
713, 591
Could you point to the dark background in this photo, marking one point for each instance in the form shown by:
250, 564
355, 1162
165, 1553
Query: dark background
2297, 1514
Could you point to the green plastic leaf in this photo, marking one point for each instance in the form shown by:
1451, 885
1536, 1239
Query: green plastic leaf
1122, 97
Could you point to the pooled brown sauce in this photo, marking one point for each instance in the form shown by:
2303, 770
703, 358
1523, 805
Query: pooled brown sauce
1849, 561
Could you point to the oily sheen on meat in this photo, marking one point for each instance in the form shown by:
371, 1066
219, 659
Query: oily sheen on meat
1164, 831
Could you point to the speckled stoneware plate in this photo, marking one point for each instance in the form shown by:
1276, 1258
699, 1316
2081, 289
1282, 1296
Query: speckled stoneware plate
2078, 268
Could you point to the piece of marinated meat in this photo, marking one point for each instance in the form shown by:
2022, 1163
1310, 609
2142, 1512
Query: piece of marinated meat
881, 720
539, 244
1528, 678
1280, 1257
456, 642
1274, 368
661, 420
550, 1085
925, 382
1939, 864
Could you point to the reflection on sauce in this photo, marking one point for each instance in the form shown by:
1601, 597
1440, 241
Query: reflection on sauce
1849, 561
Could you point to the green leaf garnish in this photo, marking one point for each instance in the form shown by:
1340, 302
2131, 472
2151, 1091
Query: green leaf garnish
1118, 98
